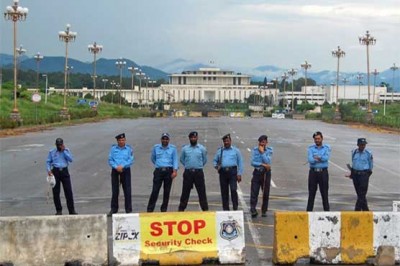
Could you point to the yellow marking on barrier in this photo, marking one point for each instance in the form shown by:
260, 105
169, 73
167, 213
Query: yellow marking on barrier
259, 246
291, 237
356, 237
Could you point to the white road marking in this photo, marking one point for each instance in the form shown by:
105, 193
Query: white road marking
242, 141
32, 145
248, 149
253, 231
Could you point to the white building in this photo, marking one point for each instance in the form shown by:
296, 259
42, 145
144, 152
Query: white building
205, 85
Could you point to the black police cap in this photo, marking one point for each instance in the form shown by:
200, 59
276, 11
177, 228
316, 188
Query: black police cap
120, 136
263, 137
59, 141
193, 134
227, 136
362, 141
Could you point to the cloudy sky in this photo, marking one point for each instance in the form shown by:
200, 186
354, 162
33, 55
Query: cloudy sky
245, 33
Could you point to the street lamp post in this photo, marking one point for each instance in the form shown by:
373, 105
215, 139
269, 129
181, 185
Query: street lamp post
132, 70
94, 49
113, 83
375, 73
45, 90
393, 68
66, 36
120, 65
368, 40
15, 13
20, 51
38, 57
337, 53
306, 66
359, 78
69, 70
104, 83
284, 77
292, 72
344, 80
140, 75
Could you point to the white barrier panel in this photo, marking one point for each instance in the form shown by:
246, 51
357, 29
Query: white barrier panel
178, 238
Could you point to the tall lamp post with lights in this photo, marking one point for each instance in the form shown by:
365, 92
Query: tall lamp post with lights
359, 77
306, 66
66, 36
45, 90
345, 81
284, 77
20, 51
393, 68
338, 54
368, 40
15, 13
375, 73
94, 49
292, 72
38, 57
120, 64
132, 70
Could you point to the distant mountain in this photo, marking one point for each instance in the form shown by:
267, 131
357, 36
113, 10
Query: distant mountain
6, 59
103, 66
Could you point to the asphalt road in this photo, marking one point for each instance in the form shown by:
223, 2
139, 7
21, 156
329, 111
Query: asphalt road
23, 190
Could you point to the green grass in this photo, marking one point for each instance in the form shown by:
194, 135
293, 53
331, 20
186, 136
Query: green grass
46, 113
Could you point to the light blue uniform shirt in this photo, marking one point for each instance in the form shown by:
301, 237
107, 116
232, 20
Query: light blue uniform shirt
193, 157
258, 158
230, 157
362, 160
164, 156
121, 156
58, 159
323, 152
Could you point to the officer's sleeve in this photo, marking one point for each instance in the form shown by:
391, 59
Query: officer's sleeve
204, 152
68, 155
254, 162
153, 155
310, 155
175, 159
182, 158
131, 159
216, 158
327, 154
239, 162
48, 162
111, 161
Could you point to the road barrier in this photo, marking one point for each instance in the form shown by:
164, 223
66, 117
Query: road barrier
179, 238
236, 114
53, 240
334, 237
195, 114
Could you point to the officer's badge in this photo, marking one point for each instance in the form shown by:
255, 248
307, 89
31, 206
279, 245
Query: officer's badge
229, 230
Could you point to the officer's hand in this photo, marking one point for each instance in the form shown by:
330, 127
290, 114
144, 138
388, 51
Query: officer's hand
261, 148
119, 168
266, 166
49, 173
174, 174
62, 147
239, 178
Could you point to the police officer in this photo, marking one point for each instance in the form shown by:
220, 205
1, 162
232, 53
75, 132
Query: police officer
318, 156
229, 163
261, 158
164, 156
121, 159
193, 157
57, 163
362, 164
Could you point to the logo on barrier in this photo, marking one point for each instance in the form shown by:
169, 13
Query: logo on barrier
126, 234
229, 230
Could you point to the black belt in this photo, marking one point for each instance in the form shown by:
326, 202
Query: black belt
194, 170
360, 172
229, 168
259, 169
318, 169
164, 169
60, 168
